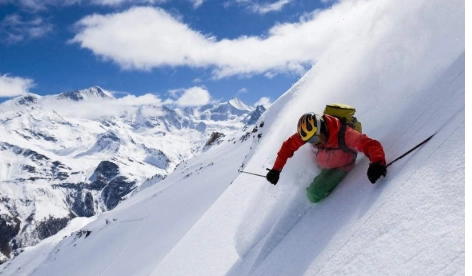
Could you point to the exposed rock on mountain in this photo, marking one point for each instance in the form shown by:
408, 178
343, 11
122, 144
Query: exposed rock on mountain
9, 228
254, 115
215, 138
84, 94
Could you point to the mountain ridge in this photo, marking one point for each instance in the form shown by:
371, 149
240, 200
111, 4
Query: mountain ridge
67, 157
94, 92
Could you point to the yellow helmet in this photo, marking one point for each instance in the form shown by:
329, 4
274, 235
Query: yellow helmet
309, 125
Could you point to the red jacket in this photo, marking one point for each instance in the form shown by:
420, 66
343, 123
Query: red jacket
330, 155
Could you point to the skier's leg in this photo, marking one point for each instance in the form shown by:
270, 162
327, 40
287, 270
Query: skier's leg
324, 184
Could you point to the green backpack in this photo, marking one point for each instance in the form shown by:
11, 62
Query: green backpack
345, 113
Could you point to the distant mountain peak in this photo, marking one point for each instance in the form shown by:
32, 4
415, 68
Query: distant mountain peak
28, 100
254, 115
238, 104
94, 92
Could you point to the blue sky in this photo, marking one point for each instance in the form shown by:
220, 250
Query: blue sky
217, 50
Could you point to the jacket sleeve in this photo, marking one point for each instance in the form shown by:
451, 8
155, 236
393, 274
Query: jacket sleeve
288, 148
371, 148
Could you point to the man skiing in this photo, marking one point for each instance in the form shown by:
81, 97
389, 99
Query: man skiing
336, 145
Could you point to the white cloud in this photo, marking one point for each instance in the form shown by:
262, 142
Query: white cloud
41, 5
196, 3
269, 7
14, 86
14, 29
264, 101
194, 96
144, 38
120, 2
242, 91
38, 5
253, 6
140, 38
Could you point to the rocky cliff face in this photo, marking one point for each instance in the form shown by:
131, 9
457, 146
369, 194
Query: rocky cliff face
56, 166
9, 228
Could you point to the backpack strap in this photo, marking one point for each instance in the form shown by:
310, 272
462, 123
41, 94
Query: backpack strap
342, 138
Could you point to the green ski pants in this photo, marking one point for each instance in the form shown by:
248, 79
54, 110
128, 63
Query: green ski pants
324, 184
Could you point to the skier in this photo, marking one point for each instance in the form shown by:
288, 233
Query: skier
335, 145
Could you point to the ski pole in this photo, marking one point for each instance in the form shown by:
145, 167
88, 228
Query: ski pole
241, 171
406, 153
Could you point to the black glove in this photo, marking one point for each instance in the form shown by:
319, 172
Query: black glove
273, 176
375, 171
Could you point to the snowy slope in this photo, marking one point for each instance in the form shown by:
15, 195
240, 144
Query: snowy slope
406, 85
412, 222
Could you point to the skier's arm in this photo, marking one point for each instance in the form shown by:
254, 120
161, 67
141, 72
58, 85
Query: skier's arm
287, 150
371, 148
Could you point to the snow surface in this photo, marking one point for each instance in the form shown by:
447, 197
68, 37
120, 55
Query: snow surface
406, 78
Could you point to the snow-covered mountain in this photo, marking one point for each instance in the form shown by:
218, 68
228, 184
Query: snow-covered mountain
58, 163
85, 94
225, 111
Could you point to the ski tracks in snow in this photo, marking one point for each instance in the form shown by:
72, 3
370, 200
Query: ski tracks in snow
295, 210
135, 233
